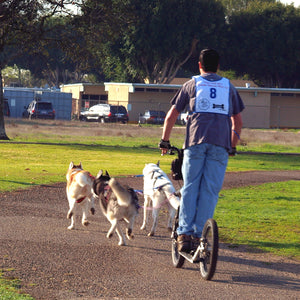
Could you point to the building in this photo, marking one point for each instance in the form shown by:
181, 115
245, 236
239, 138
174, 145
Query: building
18, 99
265, 107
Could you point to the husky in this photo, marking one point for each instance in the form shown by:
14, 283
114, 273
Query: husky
158, 189
117, 203
79, 193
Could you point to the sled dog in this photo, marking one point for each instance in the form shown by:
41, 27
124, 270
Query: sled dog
117, 203
79, 193
158, 189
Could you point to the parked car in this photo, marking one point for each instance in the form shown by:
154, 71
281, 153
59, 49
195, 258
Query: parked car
152, 117
6, 110
39, 110
105, 113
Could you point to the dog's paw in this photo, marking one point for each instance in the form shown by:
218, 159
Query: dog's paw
143, 227
71, 227
109, 235
92, 210
121, 243
151, 233
69, 215
85, 223
129, 234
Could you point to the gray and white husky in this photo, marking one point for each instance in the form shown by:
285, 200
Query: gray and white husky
117, 203
158, 189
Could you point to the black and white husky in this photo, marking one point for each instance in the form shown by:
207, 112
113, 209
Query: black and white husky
158, 189
117, 203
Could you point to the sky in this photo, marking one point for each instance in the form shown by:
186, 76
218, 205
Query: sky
296, 2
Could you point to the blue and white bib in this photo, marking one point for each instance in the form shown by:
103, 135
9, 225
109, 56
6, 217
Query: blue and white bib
212, 96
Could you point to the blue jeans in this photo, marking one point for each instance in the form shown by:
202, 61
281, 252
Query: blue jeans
203, 171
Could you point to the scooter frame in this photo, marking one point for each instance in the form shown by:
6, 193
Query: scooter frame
206, 254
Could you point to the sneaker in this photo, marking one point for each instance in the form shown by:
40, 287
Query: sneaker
195, 242
184, 243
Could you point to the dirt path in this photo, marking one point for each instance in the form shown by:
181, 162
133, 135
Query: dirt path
55, 263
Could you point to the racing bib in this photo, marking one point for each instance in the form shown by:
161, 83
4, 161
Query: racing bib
212, 96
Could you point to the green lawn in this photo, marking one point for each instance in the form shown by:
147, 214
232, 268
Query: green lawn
9, 290
264, 217
23, 165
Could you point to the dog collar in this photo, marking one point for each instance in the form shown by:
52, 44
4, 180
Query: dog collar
80, 200
107, 192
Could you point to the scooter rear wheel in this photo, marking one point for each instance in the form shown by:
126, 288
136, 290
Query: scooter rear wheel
177, 259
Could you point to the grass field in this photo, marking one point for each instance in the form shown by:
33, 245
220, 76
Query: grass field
39, 152
264, 217
120, 149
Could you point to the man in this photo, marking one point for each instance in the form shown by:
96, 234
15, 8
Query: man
212, 132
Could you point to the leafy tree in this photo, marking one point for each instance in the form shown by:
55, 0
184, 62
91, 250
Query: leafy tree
50, 62
16, 75
22, 29
151, 39
265, 43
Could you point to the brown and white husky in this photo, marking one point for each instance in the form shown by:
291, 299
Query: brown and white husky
79, 193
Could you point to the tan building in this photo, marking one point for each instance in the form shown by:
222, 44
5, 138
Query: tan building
265, 107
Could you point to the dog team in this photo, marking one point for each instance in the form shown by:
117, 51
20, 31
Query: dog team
117, 202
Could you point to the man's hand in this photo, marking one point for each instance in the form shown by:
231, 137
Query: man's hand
164, 146
232, 151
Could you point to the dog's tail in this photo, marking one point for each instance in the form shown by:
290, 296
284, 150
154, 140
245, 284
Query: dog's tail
123, 195
103, 204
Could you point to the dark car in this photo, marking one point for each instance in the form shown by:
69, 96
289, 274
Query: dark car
105, 113
152, 117
39, 110
6, 110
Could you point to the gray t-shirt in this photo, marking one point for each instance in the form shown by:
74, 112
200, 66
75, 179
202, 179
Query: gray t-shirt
202, 127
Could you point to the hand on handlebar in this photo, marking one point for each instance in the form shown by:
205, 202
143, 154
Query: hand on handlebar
232, 151
164, 146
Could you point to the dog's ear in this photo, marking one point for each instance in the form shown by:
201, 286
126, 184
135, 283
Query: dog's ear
71, 165
80, 165
158, 162
106, 173
99, 174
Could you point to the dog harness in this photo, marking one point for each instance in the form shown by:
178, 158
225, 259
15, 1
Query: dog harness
72, 175
107, 192
156, 181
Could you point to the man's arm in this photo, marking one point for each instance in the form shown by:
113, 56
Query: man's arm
237, 125
170, 120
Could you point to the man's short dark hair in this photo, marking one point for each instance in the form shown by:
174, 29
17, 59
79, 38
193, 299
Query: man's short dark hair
209, 59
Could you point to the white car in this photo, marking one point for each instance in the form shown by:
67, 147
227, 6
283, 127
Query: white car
182, 118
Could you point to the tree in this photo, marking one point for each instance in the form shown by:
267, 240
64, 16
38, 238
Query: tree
265, 43
51, 62
22, 29
150, 40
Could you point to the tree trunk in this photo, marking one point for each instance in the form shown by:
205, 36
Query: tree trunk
3, 135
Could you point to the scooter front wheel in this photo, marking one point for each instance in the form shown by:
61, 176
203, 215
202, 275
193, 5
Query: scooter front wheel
210, 248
